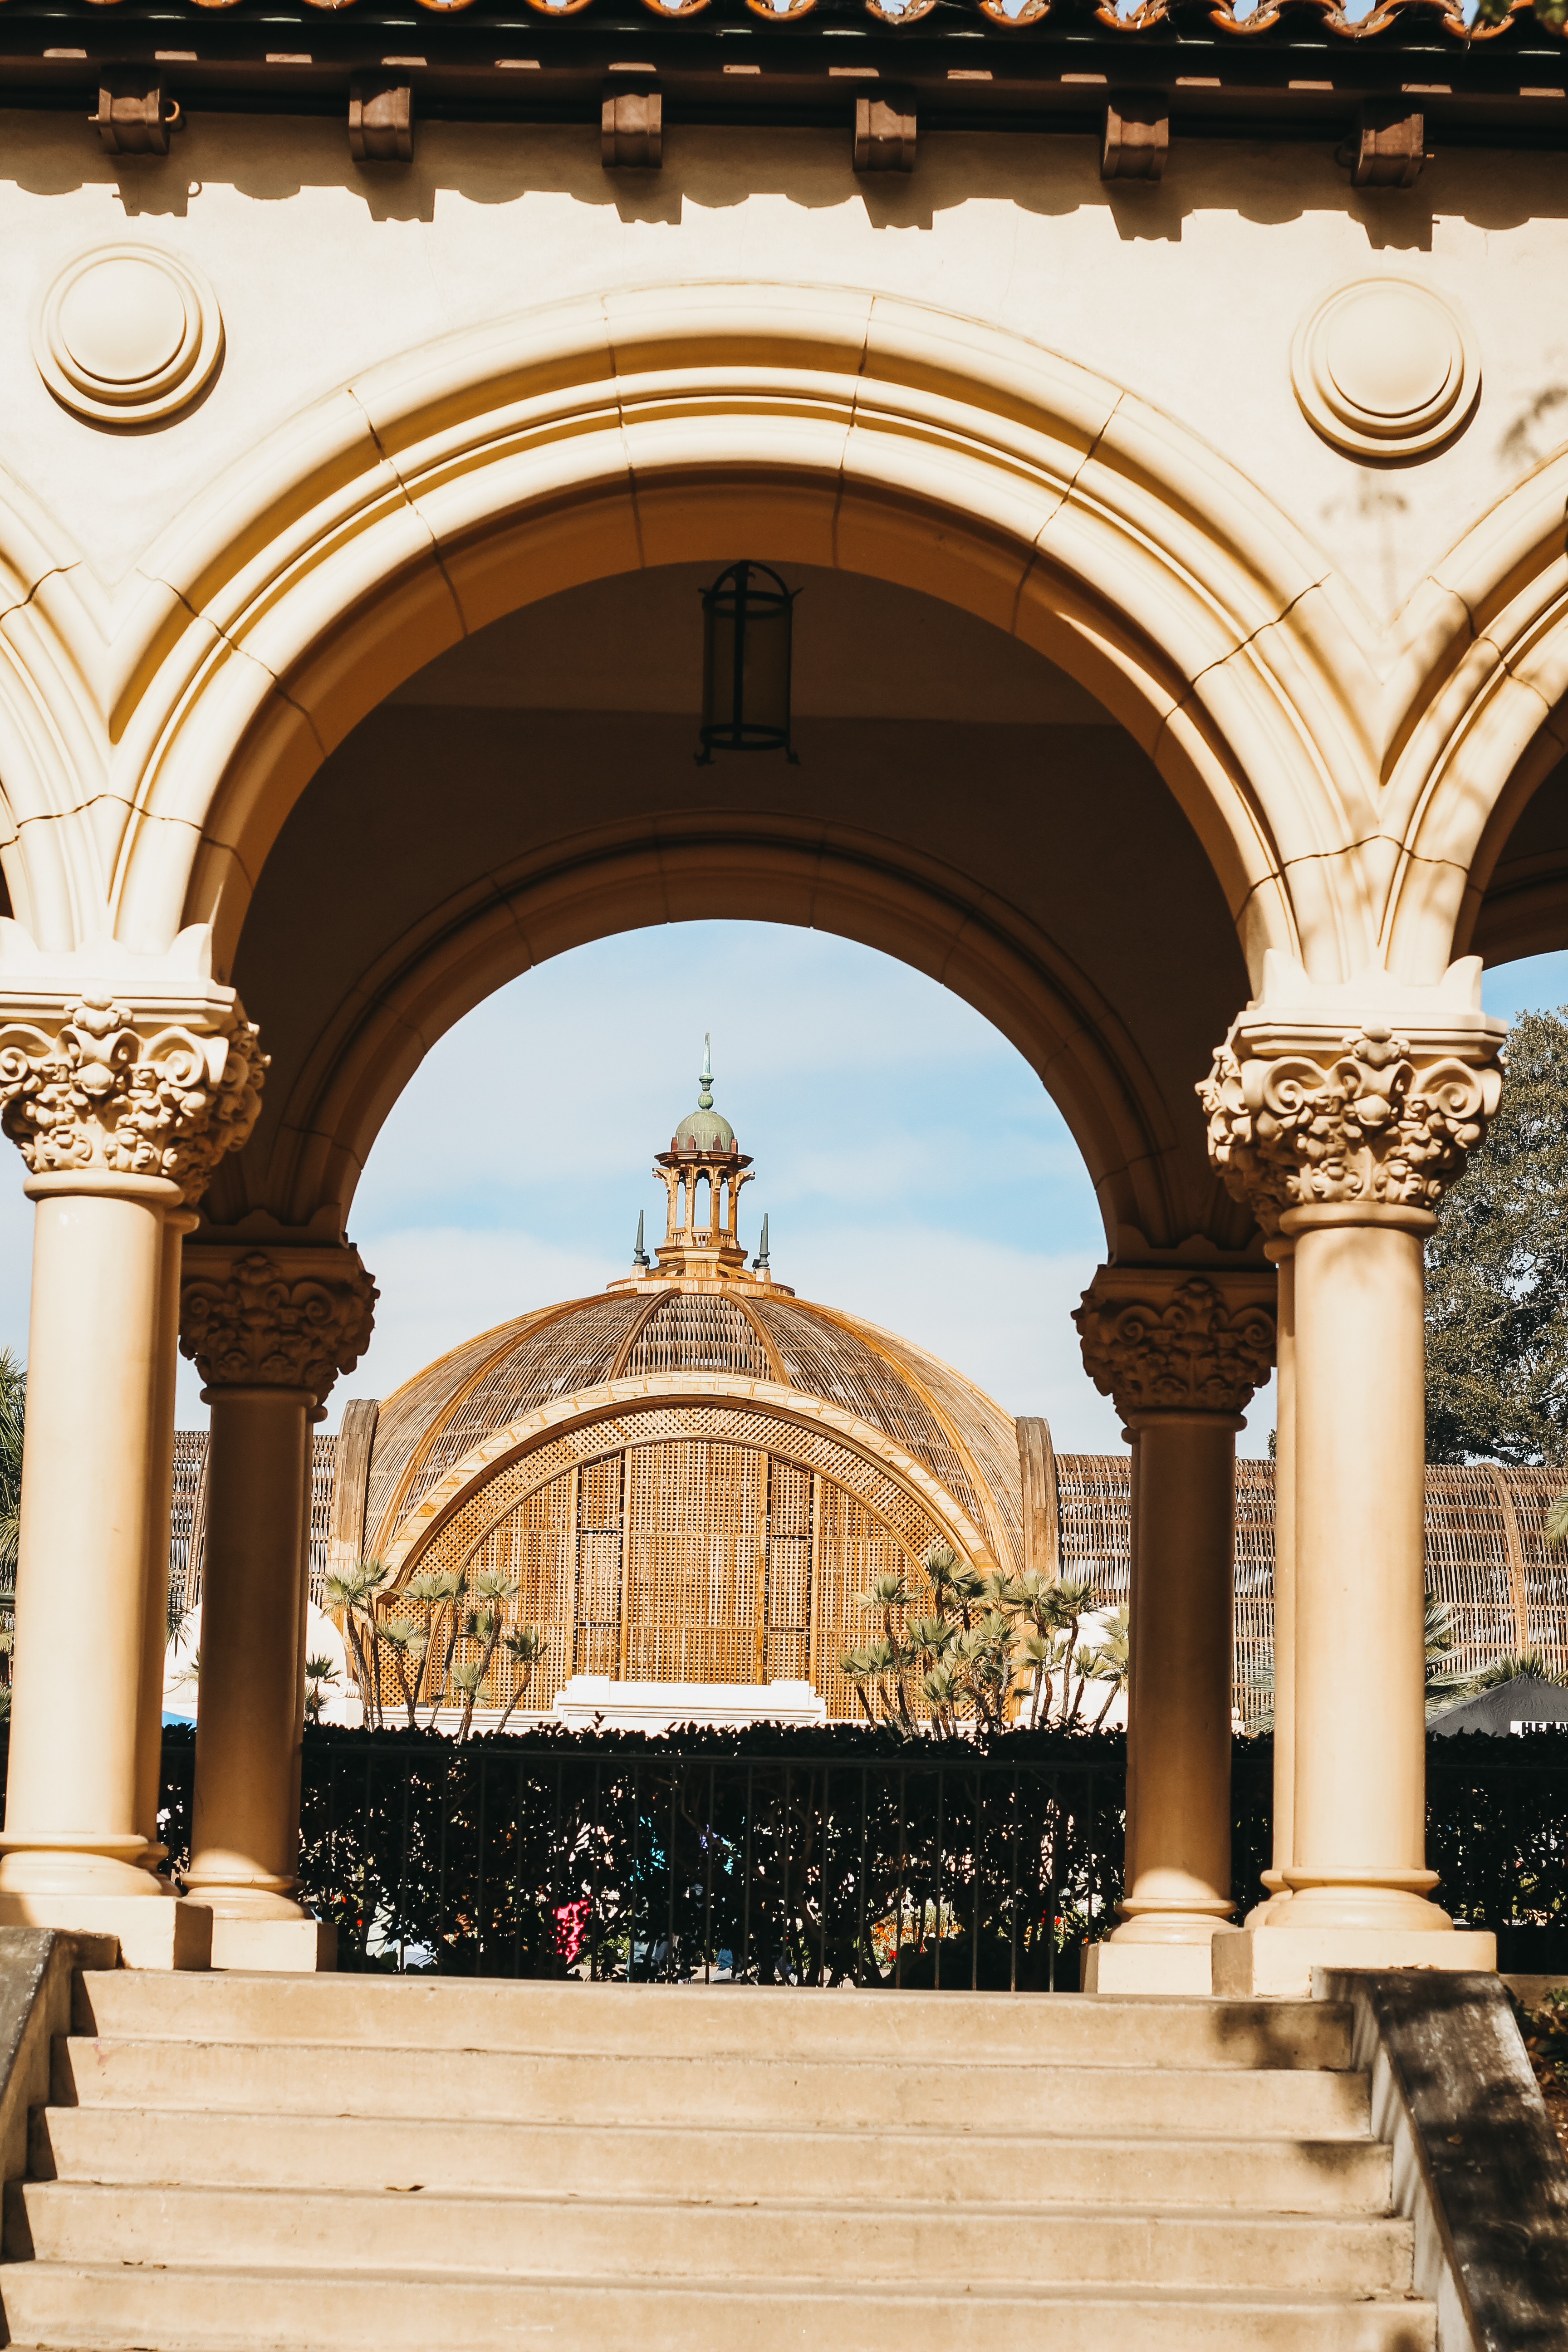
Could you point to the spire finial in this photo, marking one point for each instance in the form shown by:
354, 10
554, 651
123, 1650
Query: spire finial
760, 1259
705, 1099
639, 1254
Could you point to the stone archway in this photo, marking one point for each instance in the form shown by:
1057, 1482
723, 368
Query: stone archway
521, 459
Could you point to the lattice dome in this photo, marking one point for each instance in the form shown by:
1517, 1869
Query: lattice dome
951, 1429
694, 1477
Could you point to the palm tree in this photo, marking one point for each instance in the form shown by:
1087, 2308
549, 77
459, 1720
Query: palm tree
355, 1591
888, 1592
487, 1623
468, 1678
407, 1644
428, 1592
1112, 1658
447, 1590
319, 1674
523, 1647
865, 1668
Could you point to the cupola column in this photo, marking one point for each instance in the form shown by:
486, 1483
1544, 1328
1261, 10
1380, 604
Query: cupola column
1180, 1353
269, 1329
121, 1110
1341, 1123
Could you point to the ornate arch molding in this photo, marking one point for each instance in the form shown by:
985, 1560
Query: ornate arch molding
1478, 691
456, 483
880, 1474
872, 890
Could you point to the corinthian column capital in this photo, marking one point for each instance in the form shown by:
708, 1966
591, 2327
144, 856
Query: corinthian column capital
285, 1318
118, 1087
1166, 1340
1366, 1095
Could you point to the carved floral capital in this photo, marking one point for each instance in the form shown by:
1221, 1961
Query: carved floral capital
1384, 1119
275, 1319
1155, 1340
108, 1087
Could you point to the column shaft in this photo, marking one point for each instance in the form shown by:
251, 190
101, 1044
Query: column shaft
1178, 1818
177, 1223
1283, 1253
244, 1862
74, 1826
1360, 1764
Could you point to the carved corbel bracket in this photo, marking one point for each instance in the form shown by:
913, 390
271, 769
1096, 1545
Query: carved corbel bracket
886, 133
380, 122
631, 129
1388, 146
1136, 139
1174, 1340
135, 113
274, 1317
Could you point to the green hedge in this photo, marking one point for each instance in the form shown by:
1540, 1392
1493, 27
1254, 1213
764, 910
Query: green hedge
812, 1853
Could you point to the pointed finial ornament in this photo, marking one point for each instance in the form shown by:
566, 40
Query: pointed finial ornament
639, 1254
760, 1259
705, 1099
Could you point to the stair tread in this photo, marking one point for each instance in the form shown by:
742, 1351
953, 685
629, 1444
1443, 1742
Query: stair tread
913, 2210
640, 2126
805, 2285
957, 2060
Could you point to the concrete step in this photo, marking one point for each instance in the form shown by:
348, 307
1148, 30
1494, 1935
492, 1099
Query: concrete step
306, 2079
550, 2237
113, 2307
931, 2165
698, 2021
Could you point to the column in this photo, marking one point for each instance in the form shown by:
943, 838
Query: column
1341, 1133
1282, 1254
1180, 1354
270, 1330
121, 1113
177, 1223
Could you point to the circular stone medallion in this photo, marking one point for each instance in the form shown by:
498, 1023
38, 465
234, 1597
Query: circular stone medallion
1384, 368
126, 333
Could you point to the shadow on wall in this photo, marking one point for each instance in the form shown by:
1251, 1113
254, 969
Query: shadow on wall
271, 159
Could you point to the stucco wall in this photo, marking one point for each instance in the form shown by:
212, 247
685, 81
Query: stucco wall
1187, 292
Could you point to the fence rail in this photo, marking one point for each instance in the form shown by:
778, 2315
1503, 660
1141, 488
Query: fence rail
814, 1857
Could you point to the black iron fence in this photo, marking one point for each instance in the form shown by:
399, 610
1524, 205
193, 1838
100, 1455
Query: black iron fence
799, 1858
815, 1857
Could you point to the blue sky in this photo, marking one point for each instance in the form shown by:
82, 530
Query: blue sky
913, 1169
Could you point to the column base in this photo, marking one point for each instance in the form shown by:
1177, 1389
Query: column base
295, 1948
157, 1935
1276, 1963
1270, 1912
1114, 1968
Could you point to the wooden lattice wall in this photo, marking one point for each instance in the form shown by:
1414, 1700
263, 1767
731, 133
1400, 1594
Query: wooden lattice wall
741, 1565
688, 1559
187, 1521
1487, 1558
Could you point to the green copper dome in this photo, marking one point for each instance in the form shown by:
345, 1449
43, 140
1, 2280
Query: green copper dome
704, 1128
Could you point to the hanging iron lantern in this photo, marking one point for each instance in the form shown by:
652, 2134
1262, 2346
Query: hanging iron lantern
747, 620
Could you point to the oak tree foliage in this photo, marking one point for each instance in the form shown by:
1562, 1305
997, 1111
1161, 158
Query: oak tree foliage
1497, 1272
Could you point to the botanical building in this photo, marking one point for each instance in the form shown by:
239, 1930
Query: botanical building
691, 1479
